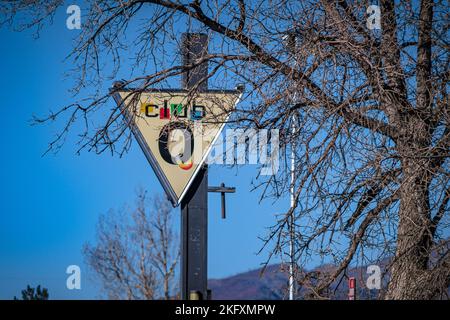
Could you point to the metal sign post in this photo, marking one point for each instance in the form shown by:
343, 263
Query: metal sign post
194, 206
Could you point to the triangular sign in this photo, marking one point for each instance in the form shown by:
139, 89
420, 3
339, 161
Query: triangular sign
176, 130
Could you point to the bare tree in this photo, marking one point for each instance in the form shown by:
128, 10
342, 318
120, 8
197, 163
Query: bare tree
137, 251
371, 108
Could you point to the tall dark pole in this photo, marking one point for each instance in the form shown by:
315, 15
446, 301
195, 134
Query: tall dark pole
194, 206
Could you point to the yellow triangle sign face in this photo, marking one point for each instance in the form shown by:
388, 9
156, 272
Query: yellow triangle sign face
176, 131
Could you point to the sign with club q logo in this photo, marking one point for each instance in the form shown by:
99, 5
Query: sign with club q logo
176, 130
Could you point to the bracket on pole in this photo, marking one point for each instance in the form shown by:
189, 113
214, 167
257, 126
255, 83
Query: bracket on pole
222, 189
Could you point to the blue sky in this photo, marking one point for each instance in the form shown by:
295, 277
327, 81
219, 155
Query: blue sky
50, 205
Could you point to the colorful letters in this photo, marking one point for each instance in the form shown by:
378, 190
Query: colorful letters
176, 110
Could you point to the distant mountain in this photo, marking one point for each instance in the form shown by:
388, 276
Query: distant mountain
273, 283
250, 286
